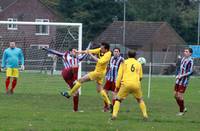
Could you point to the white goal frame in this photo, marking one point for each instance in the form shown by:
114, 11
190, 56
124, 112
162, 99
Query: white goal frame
79, 25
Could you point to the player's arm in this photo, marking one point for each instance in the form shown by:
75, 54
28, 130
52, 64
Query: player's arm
141, 72
119, 76
82, 57
4, 57
105, 58
94, 57
51, 51
94, 51
21, 57
189, 70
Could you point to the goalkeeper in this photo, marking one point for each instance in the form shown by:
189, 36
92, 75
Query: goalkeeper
98, 74
12, 56
70, 70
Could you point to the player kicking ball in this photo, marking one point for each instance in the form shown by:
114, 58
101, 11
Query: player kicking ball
70, 70
98, 74
128, 82
182, 80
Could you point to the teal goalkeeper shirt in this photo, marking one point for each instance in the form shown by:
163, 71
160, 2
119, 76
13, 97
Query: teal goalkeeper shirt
12, 58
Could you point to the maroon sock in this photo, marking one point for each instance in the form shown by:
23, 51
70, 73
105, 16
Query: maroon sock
7, 83
76, 100
113, 101
14, 83
181, 102
105, 106
177, 101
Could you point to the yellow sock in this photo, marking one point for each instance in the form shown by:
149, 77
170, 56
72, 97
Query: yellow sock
75, 88
105, 97
116, 108
143, 108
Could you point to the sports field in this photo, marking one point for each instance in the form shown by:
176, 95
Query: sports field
37, 105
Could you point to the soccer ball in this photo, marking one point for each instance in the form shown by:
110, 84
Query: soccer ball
142, 60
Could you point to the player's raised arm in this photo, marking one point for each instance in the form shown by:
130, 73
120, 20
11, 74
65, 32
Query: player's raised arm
51, 51
94, 51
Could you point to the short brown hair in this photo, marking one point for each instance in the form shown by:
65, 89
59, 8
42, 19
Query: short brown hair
105, 45
189, 49
131, 53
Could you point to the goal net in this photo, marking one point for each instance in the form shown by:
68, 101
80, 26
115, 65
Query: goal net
31, 37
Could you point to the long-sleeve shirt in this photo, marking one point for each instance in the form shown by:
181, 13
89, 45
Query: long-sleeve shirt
68, 60
103, 61
186, 70
12, 57
113, 68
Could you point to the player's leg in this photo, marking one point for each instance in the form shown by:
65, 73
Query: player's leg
78, 83
137, 93
76, 101
103, 92
121, 95
76, 95
15, 75
85, 78
106, 88
178, 93
113, 93
7, 82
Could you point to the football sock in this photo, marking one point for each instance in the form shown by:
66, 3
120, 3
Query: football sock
105, 106
113, 101
143, 108
7, 83
14, 83
116, 108
105, 97
181, 102
178, 102
76, 100
75, 88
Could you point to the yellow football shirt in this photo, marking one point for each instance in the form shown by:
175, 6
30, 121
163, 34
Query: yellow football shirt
103, 61
130, 71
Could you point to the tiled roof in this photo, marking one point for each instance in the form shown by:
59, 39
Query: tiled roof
137, 33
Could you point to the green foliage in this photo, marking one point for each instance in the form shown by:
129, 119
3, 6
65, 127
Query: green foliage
96, 15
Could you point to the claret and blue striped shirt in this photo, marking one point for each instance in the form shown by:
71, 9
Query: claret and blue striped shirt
185, 69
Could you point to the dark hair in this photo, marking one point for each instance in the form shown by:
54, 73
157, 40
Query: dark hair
131, 53
71, 48
116, 48
189, 49
106, 45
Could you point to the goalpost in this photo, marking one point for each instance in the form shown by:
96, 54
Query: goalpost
33, 36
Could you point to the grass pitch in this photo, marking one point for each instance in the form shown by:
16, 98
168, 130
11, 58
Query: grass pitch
37, 105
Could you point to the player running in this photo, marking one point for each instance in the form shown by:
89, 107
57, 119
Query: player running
70, 70
98, 74
12, 56
182, 79
128, 82
111, 75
